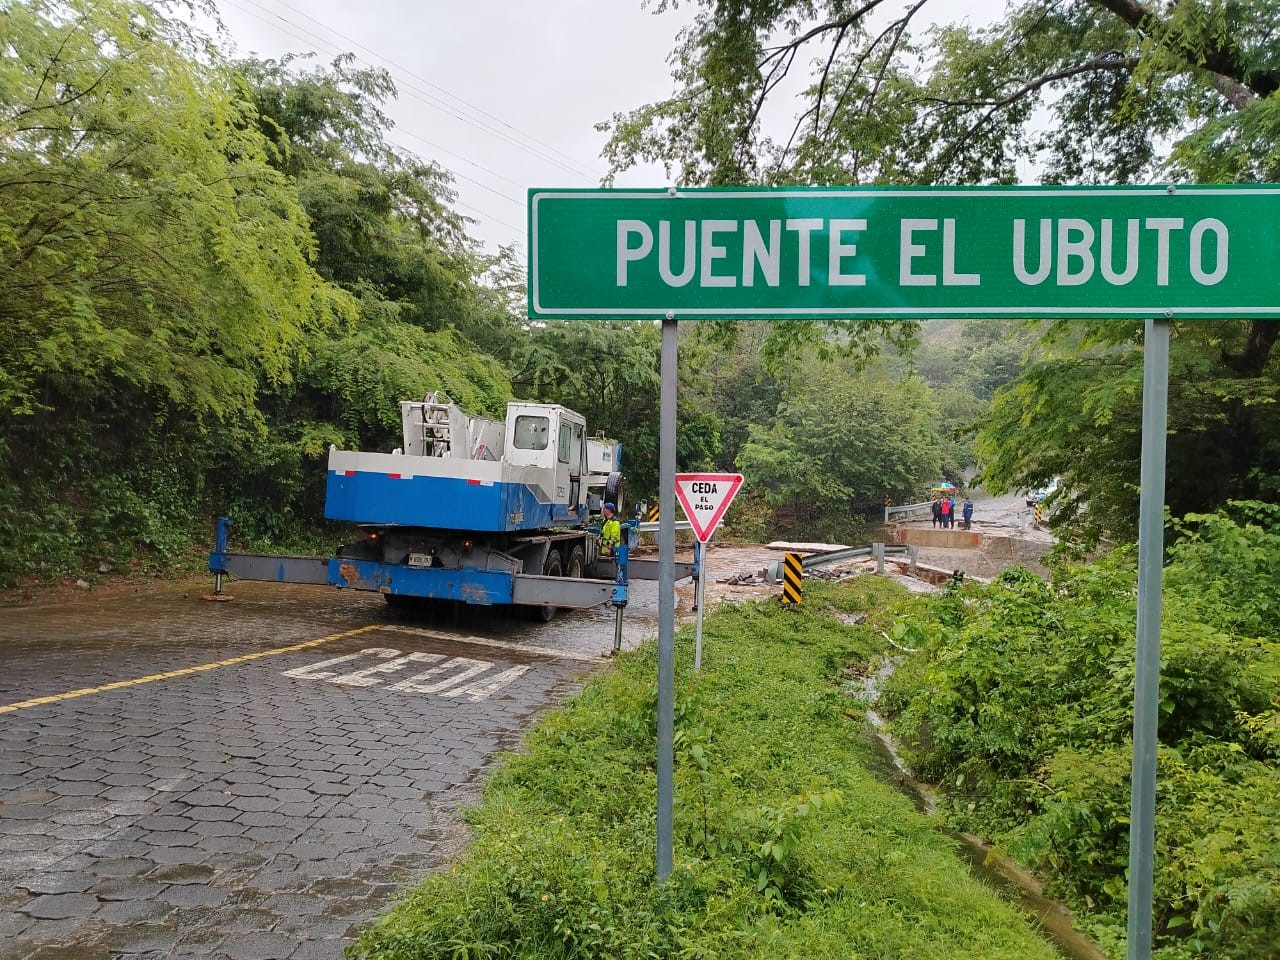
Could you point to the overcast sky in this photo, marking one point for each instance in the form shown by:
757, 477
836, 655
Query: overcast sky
505, 94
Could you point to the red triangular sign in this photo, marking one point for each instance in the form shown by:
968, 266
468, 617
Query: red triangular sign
705, 497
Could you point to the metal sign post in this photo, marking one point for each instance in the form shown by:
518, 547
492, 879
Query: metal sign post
1146, 703
699, 598
666, 598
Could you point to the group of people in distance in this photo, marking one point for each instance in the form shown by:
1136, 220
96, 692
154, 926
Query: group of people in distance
944, 512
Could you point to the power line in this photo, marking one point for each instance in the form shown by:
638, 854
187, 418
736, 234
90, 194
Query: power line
453, 96
429, 99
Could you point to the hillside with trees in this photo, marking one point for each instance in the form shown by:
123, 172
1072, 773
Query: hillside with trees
214, 269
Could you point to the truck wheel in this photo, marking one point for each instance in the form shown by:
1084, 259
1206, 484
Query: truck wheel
577, 560
615, 491
550, 568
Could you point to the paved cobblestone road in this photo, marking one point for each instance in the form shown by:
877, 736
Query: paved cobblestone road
250, 779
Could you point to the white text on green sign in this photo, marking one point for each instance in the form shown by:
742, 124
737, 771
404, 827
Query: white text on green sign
903, 253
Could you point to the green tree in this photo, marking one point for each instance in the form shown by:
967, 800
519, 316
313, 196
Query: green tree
1099, 91
841, 443
154, 272
387, 235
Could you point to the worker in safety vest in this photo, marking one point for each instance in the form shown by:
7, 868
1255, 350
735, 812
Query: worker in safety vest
610, 530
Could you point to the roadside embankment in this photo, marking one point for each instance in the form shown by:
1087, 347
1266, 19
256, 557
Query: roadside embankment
787, 844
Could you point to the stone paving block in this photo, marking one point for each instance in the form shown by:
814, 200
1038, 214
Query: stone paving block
127, 888
194, 895
221, 845
183, 874
142, 938
121, 867
161, 822
125, 912
263, 946
55, 883
61, 906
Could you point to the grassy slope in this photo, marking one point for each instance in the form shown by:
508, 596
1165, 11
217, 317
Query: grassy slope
786, 844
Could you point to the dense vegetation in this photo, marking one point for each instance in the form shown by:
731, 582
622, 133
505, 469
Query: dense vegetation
1087, 92
211, 271
786, 845
1020, 703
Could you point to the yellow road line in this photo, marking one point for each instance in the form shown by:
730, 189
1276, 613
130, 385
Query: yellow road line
118, 684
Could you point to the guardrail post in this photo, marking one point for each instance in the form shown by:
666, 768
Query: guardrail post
913, 555
877, 551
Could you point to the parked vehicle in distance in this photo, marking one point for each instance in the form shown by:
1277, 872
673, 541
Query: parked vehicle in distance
1040, 494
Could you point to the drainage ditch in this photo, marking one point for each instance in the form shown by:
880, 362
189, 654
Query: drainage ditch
986, 862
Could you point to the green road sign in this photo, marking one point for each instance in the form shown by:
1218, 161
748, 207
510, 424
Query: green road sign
820, 252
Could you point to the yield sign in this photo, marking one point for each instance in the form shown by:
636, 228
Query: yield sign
705, 497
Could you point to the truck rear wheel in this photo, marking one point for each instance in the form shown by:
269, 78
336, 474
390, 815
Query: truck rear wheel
577, 561
550, 568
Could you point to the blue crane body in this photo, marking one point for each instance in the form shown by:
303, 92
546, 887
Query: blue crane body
469, 509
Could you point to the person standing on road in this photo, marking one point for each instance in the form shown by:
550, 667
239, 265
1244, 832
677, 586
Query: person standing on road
967, 513
937, 512
944, 508
610, 530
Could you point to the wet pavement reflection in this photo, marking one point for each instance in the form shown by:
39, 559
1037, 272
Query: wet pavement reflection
180, 778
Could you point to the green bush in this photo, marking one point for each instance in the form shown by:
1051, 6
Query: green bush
1019, 703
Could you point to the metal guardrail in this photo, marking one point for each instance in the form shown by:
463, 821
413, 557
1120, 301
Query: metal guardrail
653, 527
908, 510
773, 570
816, 560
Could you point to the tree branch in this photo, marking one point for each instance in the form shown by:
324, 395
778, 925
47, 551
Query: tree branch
1103, 63
1216, 58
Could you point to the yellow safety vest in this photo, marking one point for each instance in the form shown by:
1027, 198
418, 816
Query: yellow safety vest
610, 534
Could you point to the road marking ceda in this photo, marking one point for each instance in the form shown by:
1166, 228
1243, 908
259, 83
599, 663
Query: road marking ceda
453, 677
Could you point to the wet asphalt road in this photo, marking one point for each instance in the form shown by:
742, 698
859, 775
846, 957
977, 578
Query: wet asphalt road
251, 779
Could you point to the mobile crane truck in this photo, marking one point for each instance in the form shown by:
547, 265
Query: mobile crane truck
473, 510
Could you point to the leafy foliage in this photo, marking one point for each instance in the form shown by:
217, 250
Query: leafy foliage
1020, 704
206, 277
1080, 417
840, 444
